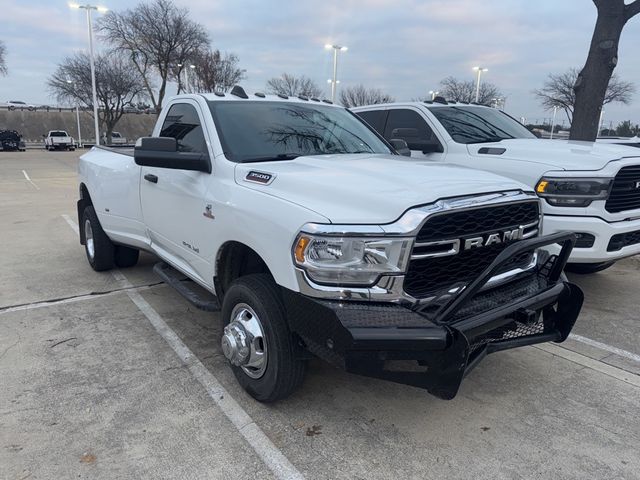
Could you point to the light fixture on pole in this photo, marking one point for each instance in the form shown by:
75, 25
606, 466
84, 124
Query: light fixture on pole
89, 9
433, 94
334, 81
77, 111
186, 76
480, 71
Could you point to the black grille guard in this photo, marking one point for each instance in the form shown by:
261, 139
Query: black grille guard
567, 240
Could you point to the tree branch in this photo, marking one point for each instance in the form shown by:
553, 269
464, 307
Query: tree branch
631, 10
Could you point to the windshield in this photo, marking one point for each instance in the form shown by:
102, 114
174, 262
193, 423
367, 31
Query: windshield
479, 124
263, 131
58, 134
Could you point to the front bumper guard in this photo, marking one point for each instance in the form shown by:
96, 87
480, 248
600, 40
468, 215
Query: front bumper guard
435, 351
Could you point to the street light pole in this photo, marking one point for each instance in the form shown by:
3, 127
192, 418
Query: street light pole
334, 81
479, 70
553, 121
89, 8
433, 94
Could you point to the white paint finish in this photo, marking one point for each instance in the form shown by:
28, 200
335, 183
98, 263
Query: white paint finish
113, 182
369, 189
591, 363
26, 176
272, 457
607, 348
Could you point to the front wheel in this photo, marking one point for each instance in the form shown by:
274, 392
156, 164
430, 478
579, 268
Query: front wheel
263, 353
587, 268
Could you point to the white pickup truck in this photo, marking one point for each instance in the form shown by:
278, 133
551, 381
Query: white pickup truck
59, 140
588, 188
313, 236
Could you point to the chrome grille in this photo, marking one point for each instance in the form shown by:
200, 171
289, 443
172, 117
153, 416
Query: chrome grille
432, 270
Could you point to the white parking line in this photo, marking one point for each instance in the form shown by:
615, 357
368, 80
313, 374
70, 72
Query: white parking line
272, 457
71, 223
605, 347
26, 175
593, 364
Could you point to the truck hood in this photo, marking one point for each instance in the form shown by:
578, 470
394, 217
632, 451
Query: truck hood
557, 154
364, 188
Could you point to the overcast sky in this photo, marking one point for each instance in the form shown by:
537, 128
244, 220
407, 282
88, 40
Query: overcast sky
404, 47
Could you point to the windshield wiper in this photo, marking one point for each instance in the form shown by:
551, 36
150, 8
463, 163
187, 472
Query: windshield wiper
272, 158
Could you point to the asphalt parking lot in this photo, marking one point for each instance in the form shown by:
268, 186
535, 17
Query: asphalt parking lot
107, 376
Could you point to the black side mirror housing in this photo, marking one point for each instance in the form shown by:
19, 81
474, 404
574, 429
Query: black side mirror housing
400, 146
162, 152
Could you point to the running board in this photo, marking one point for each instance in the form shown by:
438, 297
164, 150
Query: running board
196, 295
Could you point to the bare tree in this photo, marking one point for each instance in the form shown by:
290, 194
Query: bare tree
360, 95
592, 82
157, 36
287, 84
3, 61
118, 84
215, 71
558, 92
465, 91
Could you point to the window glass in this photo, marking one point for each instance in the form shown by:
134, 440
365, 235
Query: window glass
183, 124
375, 118
409, 126
474, 124
252, 131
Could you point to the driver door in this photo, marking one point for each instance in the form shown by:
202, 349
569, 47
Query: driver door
173, 200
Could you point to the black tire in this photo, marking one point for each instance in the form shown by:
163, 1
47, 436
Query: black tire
126, 257
587, 268
285, 368
101, 254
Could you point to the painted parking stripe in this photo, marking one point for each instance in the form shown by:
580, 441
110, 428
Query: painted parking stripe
272, 457
72, 224
593, 364
26, 175
605, 347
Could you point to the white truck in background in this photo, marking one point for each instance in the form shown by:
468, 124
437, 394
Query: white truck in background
591, 189
313, 236
59, 140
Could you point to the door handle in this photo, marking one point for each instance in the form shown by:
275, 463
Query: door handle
149, 177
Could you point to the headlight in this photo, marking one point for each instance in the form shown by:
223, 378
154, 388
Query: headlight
350, 260
573, 192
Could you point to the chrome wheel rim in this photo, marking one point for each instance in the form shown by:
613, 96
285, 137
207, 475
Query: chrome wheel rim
244, 342
88, 236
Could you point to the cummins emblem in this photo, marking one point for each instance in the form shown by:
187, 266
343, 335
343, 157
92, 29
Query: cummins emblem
494, 238
637, 184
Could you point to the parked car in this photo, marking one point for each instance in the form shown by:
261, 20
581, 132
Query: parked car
11, 141
59, 140
14, 104
312, 237
588, 188
116, 139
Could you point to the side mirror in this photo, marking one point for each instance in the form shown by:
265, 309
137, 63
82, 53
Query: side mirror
430, 147
400, 146
162, 152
